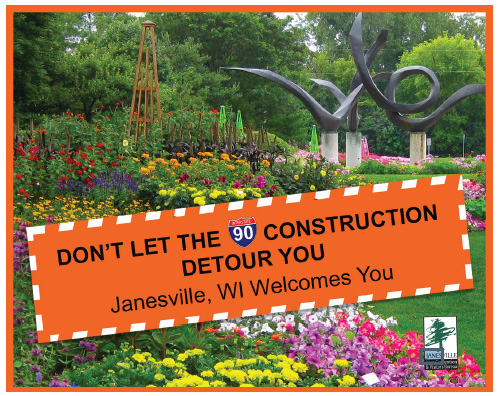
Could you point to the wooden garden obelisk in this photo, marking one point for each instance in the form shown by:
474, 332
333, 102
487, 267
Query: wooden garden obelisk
143, 109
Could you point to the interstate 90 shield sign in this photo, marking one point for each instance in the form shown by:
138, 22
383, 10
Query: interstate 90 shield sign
326, 248
242, 231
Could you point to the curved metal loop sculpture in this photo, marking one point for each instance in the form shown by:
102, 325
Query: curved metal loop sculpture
395, 110
348, 104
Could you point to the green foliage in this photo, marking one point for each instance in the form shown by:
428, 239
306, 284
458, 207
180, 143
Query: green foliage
476, 208
457, 62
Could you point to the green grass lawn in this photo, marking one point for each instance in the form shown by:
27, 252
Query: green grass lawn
393, 178
469, 306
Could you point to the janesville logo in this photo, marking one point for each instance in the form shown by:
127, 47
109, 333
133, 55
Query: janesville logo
242, 231
440, 333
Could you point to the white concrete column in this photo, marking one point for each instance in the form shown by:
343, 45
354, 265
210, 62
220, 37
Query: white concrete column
353, 149
330, 145
417, 147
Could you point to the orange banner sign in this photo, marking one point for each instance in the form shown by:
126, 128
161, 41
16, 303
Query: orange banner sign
162, 269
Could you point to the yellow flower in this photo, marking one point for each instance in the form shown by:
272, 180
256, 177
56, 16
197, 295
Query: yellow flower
246, 386
199, 201
323, 173
207, 373
139, 358
125, 143
173, 161
290, 375
217, 383
225, 156
180, 155
150, 386
266, 163
192, 159
300, 367
145, 155
159, 376
341, 363
314, 165
162, 192
296, 177
183, 356
144, 171
317, 386
347, 380
312, 187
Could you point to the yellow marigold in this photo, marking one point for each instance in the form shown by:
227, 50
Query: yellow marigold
180, 155
207, 373
173, 161
323, 173
162, 193
347, 380
183, 356
312, 187
317, 386
192, 159
246, 386
300, 367
218, 366
139, 358
199, 201
225, 157
229, 364
290, 375
341, 363
218, 383
266, 163
150, 386
296, 177
159, 376
144, 171
145, 155
231, 167
161, 161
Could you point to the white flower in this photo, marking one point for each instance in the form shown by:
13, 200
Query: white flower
312, 318
125, 143
267, 329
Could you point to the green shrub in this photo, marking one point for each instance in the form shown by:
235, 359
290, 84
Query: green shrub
476, 208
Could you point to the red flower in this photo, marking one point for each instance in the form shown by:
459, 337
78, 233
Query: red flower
99, 145
119, 158
18, 176
118, 104
77, 163
62, 145
22, 190
70, 170
26, 195
89, 147
107, 118
32, 140
84, 156
215, 111
90, 184
114, 164
79, 172
102, 106
91, 175
62, 152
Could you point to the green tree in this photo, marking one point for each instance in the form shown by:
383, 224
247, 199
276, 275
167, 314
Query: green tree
456, 62
259, 40
38, 45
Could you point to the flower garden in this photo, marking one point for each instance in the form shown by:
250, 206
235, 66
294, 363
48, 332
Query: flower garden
69, 169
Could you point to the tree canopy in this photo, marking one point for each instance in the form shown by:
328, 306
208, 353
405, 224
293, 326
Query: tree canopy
80, 61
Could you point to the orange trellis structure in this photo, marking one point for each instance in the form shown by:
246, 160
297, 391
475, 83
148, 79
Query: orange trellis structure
143, 109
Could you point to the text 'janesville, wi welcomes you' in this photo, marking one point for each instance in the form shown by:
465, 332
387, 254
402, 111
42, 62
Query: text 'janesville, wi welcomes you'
168, 268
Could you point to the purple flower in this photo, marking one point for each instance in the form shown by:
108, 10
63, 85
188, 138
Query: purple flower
79, 359
39, 377
34, 367
36, 352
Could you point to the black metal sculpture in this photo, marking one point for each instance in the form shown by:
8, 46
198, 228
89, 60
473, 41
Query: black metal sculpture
330, 122
396, 112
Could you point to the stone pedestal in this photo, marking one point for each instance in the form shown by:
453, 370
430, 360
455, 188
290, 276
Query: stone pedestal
417, 147
330, 145
353, 149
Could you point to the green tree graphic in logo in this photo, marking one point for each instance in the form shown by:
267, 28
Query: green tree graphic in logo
438, 333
